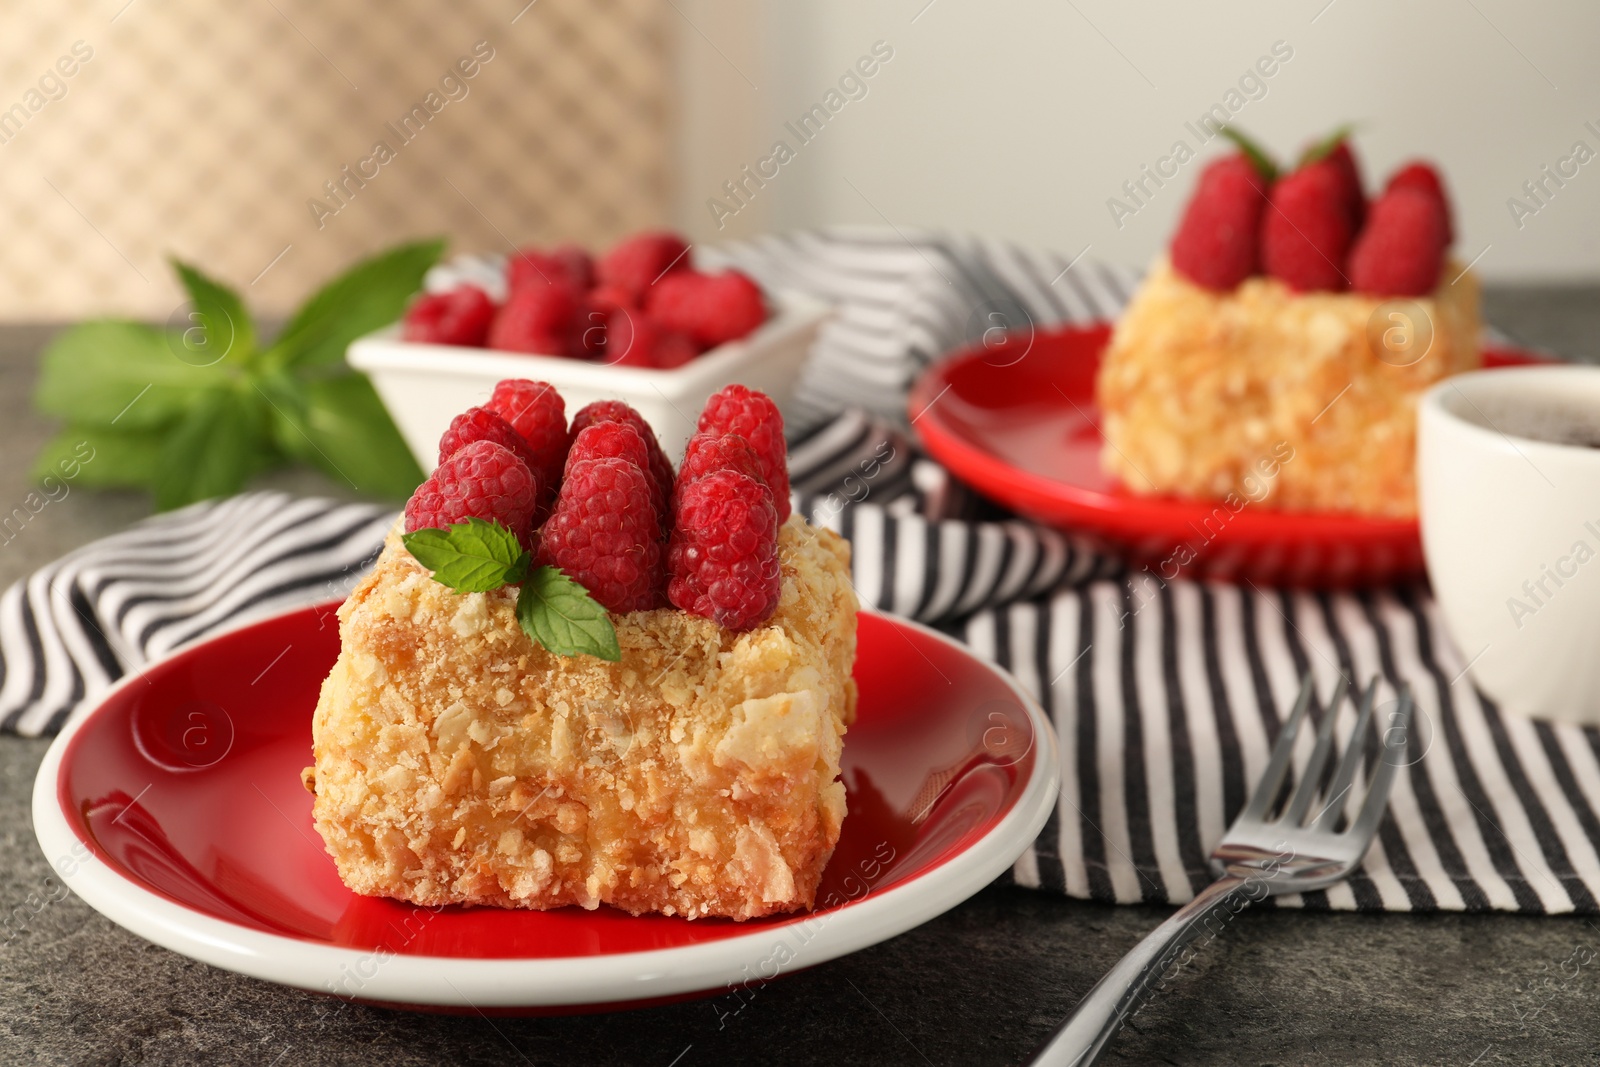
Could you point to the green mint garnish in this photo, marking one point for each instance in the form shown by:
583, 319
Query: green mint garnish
470, 557
197, 407
477, 556
1254, 153
1324, 148
560, 614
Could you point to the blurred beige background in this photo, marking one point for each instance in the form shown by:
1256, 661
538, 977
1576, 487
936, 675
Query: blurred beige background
1022, 118
209, 132
205, 130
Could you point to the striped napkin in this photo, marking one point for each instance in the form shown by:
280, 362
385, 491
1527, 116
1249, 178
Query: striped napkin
1166, 696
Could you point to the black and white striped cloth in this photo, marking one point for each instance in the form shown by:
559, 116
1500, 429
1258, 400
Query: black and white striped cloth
1166, 696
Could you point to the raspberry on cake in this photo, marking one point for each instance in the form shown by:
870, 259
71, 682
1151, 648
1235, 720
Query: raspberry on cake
707, 452
481, 424
753, 416
723, 555
619, 440
660, 469
1307, 229
1296, 386
1217, 245
480, 480
605, 534
491, 734
536, 411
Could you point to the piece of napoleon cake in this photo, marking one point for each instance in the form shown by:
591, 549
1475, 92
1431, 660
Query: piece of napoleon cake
1277, 352
576, 677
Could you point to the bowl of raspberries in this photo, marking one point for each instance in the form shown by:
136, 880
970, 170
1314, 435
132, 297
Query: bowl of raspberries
639, 324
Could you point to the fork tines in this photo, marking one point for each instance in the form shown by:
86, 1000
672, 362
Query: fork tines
1380, 771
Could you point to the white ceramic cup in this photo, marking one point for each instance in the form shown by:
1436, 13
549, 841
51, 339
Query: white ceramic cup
1511, 532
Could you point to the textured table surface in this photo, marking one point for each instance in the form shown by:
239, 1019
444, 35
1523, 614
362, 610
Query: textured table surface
979, 985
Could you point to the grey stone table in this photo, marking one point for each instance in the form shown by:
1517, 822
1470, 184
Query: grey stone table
979, 985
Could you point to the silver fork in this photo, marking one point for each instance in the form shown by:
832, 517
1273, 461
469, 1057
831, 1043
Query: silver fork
1260, 856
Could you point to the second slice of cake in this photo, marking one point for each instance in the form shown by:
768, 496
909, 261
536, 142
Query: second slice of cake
1306, 400
1276, 353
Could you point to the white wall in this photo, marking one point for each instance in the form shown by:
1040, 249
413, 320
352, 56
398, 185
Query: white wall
1021, 118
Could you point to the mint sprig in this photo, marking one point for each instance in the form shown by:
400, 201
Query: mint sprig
560, 614
1324, 148
477, 556
198, 407
470, 557
1258, 156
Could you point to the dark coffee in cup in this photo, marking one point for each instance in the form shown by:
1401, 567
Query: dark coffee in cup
1553, 421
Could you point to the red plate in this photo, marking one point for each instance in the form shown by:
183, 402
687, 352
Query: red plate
175, 808
1018, 422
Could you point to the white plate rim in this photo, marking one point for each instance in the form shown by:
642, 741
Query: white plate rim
534, 983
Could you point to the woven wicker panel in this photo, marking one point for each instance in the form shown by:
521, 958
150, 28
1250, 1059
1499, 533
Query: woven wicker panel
204, 131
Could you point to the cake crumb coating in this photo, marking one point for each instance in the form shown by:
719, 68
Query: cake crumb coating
1305, 401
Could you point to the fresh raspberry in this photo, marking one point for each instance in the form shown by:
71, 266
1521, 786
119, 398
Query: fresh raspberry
568, 264
481, 480
1401, 248
634, 339
531, 266
460, 317
674, 349
756, 418
576, 264
535, 410
708, 452
537, 318
605, 535
660, 468
634, 264
481, 424
612, 296
618, 440
593, 328
723, 558
1420, 175
1306, 230
1343, 160
626, 345
1216, 242
711, 308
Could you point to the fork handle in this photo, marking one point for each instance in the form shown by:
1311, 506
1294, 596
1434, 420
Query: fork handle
1084, 1035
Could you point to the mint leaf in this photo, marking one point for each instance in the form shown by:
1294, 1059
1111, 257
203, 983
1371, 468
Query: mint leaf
222, 328
371, 294
470, 557
1257, 155
1324, 148
196, 410
559, 614
97, 458
122, 374
214, 450
339, 425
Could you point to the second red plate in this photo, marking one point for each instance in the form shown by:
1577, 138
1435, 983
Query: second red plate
1017, 421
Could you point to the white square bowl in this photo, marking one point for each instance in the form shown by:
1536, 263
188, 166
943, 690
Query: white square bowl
424, 386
